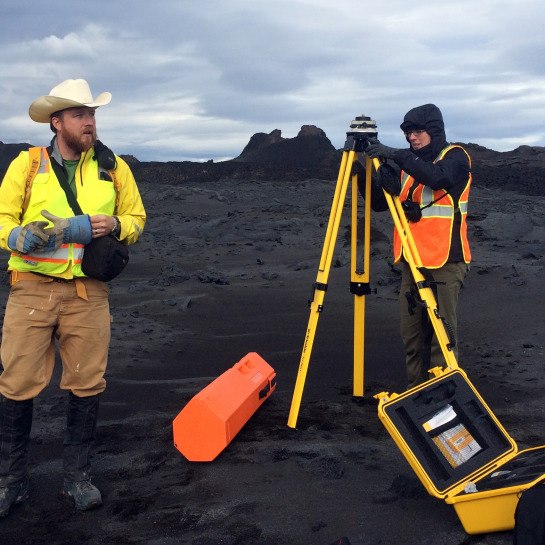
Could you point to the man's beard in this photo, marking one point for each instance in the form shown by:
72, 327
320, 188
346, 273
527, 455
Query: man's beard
77, 145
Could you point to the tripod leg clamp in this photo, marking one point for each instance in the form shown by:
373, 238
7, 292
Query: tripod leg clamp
361, 288
317, 286
449, 330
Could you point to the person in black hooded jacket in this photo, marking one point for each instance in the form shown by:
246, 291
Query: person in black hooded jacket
435, 178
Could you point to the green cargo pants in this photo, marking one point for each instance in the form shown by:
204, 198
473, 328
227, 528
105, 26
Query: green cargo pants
415, 325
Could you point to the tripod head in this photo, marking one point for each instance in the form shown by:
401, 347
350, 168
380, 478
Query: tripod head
361, 129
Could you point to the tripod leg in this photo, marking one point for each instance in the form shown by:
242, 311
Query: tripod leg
316, 305
413, 259
360, 279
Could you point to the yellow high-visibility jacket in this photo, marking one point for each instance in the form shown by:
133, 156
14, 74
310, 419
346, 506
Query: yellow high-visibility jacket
95, 196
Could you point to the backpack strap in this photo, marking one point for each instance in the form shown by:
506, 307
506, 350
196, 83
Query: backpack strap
117, 187
35, 156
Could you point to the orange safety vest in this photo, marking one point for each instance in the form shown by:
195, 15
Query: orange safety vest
433, 233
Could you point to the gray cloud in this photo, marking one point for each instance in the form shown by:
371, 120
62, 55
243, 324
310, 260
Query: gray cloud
194, 81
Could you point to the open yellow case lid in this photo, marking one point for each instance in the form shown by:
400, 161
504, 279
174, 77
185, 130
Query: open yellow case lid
446, 431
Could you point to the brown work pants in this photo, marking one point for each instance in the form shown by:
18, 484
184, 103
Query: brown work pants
415, 325
41, 310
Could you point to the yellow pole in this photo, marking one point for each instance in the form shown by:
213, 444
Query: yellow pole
412, 256
316, 306
360, 279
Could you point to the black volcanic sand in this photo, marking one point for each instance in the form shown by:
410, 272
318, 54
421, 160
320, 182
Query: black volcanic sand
226, 268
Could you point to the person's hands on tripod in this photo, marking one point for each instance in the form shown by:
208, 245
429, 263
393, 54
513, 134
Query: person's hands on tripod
376, 150
388, 179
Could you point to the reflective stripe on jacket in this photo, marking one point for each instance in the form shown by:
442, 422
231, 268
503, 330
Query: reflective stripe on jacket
433, 233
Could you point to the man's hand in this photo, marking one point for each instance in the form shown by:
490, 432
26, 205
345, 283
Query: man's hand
64, 230
28, 238
102, 225
377, 150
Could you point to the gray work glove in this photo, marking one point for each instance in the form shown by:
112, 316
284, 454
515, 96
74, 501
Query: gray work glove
376, 150
75, 229
29, 237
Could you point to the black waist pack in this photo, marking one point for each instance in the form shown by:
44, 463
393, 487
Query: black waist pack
104, 258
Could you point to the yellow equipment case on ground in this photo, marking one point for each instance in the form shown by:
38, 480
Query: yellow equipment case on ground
459, 450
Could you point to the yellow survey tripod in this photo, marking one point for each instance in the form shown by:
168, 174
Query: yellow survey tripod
361, 129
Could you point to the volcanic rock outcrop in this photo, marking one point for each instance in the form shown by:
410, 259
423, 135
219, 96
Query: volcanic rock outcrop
310, 155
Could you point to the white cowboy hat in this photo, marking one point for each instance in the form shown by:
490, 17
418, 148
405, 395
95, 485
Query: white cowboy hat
72, 93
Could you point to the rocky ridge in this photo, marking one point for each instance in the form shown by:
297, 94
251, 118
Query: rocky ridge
310, 155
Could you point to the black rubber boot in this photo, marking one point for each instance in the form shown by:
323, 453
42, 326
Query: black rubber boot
80, 433
15, 426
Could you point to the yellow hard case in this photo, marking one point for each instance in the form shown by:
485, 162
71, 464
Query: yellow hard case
469, 461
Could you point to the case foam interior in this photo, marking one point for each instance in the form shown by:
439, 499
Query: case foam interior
409, 414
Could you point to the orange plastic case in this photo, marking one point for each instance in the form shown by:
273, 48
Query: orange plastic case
208, 423
459, 450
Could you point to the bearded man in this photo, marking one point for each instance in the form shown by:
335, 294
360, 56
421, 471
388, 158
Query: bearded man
51, 207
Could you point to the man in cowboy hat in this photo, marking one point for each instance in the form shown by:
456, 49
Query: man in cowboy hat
51, 298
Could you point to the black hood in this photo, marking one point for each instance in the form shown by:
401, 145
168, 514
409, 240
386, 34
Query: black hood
427, 117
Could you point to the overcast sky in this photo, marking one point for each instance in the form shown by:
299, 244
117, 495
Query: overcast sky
194, 80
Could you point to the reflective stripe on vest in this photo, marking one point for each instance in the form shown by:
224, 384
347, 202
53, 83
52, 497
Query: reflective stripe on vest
61, 255
433, 233
44, 163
